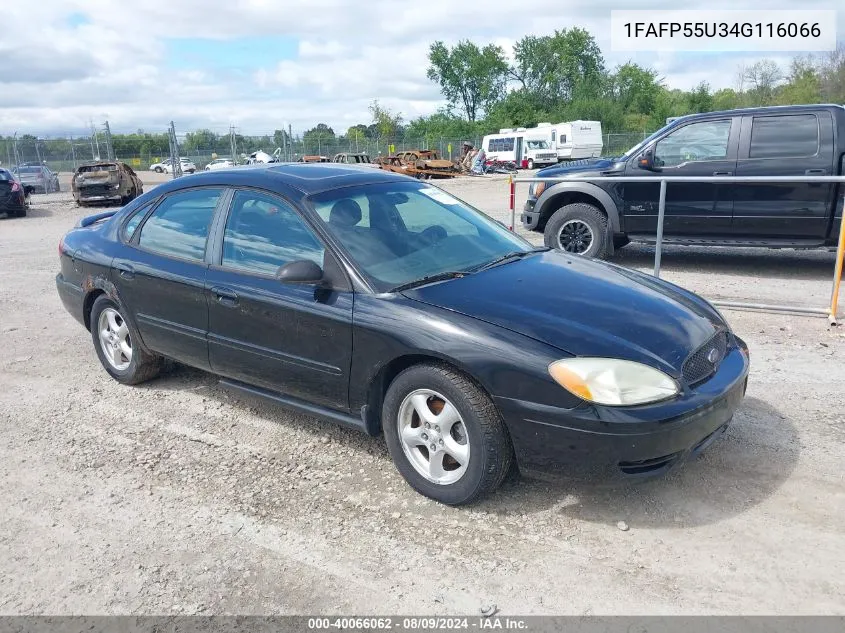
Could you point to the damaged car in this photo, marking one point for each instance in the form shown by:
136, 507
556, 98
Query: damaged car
106, 182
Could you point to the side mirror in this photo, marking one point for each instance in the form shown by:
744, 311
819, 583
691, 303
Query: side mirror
300, 271
646, 160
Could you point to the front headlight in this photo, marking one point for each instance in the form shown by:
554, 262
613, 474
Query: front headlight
612, 382
536, 189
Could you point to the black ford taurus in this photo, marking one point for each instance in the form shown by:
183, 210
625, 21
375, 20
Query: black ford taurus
381, 302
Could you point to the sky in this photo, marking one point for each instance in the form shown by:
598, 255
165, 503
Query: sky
261, 65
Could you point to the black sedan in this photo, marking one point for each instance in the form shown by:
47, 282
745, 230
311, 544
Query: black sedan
14, 196
386, 304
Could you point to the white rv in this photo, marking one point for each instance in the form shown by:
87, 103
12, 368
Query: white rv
574, 140
528, 148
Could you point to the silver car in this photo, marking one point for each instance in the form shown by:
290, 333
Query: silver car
41, 178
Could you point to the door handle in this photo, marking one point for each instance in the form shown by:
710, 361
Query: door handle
723, 173
125, 270
815, 172
225, 296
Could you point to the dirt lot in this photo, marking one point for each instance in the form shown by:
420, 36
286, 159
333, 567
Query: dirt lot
178, 497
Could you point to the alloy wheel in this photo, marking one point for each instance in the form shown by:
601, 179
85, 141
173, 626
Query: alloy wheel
114, 339
575, 236
433, 436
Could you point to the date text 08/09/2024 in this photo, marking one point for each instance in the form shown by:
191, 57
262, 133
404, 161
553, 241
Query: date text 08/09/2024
722, 29
418, 623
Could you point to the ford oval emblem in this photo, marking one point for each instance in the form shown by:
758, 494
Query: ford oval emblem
713, 356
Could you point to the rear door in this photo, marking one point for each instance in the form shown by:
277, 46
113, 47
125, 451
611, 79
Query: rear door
161, 279
799, 144
293, 338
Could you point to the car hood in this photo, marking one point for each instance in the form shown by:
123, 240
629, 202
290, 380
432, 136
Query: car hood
583, 307
597, 165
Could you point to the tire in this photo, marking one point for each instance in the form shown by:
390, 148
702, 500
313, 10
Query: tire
141, 366
530, 163
576, 219
486, 444
158, 170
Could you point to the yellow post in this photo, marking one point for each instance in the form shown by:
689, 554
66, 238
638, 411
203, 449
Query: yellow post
837, 275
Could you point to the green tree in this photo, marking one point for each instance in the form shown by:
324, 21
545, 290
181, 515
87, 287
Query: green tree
198, 140
762, 77
471, 78
700, 99
565, 66
803, 84
635, 88
388, 124
726, 99
318, 137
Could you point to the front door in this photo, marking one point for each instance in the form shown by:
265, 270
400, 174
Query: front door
292, 338
694, 209
162, 279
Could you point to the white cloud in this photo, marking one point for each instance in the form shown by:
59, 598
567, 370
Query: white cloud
55, 77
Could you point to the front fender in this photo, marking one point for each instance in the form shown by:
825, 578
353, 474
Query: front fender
550, 200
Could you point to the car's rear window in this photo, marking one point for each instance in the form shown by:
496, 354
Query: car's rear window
5, 176
30, 170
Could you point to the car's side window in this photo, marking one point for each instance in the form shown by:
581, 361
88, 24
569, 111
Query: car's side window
179, 225
788, 136
134, 220
696, 142
263, 233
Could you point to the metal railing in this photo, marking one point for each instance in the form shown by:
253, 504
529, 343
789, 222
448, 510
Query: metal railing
830, 311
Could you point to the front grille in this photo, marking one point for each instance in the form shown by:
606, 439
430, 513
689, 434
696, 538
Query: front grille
704, 362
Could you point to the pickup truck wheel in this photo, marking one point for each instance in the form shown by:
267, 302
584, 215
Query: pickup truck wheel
445, 435
530, 163
578, 228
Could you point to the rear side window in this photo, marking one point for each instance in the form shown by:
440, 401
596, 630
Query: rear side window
179, 225
134, 220
788, 136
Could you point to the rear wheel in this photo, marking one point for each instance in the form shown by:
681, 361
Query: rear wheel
115, 341
578, 228
530, 163
445, 435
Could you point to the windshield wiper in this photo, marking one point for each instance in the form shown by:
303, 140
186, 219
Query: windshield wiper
428, 279
510, 257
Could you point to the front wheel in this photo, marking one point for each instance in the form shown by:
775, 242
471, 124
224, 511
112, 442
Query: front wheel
530, 163
115, 341
158, 170
445, 435
578, 228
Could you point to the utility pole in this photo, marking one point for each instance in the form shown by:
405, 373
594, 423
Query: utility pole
233, 144
15, 147
175, 163
109, 148
290, 136
95, 139
73, 152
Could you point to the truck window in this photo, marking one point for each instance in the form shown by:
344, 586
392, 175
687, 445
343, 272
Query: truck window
696, 142
787, 136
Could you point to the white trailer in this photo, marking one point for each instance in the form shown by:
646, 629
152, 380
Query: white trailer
527, 147
574, 140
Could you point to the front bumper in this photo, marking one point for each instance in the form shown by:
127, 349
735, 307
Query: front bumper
593, 441
72, 297
529, 218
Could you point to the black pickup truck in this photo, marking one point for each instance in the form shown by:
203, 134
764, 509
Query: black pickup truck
594, 218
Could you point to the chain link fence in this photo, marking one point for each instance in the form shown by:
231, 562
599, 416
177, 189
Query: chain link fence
140, 150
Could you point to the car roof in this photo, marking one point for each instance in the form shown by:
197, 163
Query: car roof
307, 178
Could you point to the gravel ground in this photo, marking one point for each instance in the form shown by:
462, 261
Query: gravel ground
179, 497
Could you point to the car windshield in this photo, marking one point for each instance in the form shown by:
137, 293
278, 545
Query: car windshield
636, 148
401, 232
538, 145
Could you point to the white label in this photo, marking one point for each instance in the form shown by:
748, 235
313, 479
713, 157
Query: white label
439, 195
723, 30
